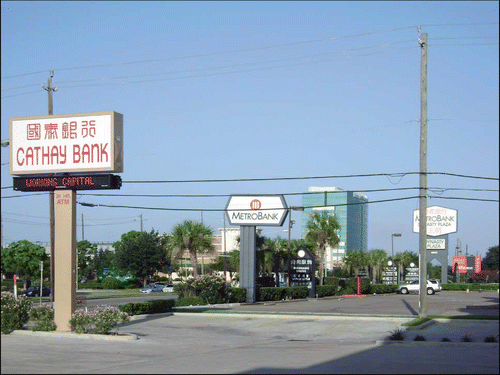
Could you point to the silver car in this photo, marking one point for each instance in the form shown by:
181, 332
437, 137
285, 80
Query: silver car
153, 288
433, 286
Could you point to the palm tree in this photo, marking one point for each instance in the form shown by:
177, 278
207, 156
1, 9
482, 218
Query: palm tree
354, 260
278, 252
192, 237
377, 259
322, 231
405, 258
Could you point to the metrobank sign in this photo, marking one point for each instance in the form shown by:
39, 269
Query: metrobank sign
84, 142
262, 210
440, 221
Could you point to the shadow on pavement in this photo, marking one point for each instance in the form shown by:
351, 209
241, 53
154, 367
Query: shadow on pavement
408, 306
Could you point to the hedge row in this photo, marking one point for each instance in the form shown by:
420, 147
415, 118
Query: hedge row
470, 286
383, 288
278, 294
156, 306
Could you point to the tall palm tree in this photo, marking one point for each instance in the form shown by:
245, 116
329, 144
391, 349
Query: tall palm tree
278, 248
193, 237
377, 259
322, 230
404, 259
354, 260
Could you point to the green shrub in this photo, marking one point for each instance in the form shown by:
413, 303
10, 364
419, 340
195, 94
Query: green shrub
189, 301
445, 339
211, 288
383, 288
297, 292
471, 286
92, 284
99, 320
490, 339
14, 313
350, 286
236, 295
272, 294
112, 283
419, 338
44, 318
278, 294
397, 335
148, 307
466, 338
326, 290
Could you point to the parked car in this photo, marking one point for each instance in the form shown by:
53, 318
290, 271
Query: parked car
34, 291
168, 288
153, 288
433, 286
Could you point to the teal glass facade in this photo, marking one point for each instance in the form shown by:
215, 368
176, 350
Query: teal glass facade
351, 211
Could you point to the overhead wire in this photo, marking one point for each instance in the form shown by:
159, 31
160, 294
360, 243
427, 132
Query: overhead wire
256, 48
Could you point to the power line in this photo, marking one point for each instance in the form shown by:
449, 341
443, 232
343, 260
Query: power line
222, 210
308, 178
435, 190
294, 178
256, 48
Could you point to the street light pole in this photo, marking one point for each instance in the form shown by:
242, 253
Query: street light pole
394, 235
392, 254
290, 222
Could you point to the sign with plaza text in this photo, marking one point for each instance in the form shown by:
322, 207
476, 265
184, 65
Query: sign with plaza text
82, 142
440, 221
436, 244
256, 210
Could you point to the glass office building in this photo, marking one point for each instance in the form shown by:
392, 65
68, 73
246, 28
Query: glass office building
351, 211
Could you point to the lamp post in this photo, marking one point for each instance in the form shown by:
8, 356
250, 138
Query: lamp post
392, 254
392, 237
290, 223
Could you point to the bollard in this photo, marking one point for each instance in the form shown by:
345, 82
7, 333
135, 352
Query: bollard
467, 290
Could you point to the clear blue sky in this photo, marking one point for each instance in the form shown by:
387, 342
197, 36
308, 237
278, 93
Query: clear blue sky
231, 90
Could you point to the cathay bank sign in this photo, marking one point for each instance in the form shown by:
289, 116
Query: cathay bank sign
261, 210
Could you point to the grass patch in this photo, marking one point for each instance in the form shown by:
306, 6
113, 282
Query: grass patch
418, 321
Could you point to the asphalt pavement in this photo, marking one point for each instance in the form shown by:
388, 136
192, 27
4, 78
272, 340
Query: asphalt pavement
333, 335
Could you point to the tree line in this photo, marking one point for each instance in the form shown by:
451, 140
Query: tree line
143, 254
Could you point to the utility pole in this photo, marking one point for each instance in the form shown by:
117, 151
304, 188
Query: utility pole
50, 89
423, 177
225, 267
141, 222
83, 236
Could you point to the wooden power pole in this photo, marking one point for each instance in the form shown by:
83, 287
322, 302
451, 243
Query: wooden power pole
422, 240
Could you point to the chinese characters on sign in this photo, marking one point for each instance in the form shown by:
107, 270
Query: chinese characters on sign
301, 275
302, 269
85, 142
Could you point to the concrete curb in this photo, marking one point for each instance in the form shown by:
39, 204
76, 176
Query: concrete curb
294, 316
432, 343
72, 335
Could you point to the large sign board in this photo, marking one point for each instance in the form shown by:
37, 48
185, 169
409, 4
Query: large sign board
82, 142
466, 264
302, 269
256, 210
440, 221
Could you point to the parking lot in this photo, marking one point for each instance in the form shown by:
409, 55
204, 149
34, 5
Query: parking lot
330, 335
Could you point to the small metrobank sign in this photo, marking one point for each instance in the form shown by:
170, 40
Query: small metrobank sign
83, 142
256, 210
